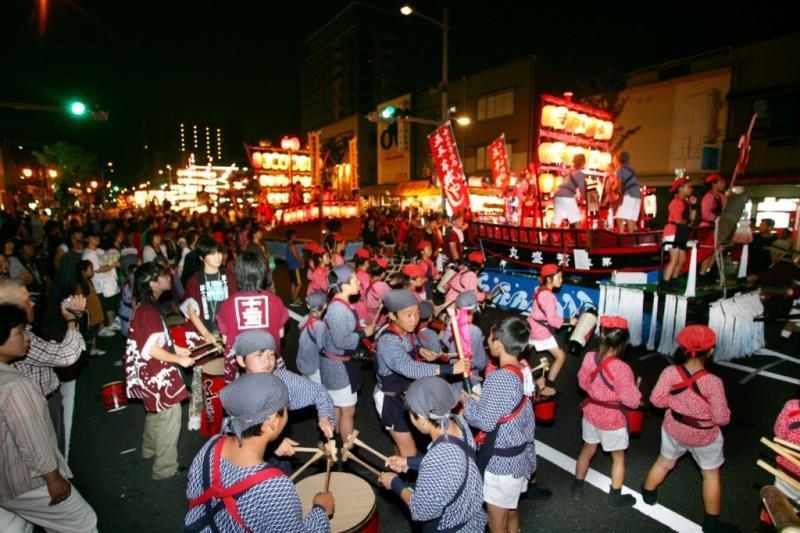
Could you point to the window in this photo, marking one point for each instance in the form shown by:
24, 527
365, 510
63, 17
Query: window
496, 105
483, 160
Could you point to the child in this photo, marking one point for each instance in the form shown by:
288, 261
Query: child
544, 320
467, 278
677, 230
294, 263
85, 287
255, 352
469, 301
377, 288
428, 338
398, 360
696, 408
318, 268
340, 373
256, 496
414, 280
504, 414
787, 427
151, 374
361, 262
441, 502
312, 337
611, 387
431, 273
335, 245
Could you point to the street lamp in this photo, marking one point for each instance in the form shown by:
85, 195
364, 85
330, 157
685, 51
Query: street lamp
463, 120
407, 10
93, 183
53, 173
27, 172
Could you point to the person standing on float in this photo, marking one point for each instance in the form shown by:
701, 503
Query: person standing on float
629, 210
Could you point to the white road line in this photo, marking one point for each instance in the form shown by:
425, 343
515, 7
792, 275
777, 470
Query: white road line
745, 368
657, 512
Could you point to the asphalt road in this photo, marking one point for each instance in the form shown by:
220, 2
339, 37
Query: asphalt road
118, 485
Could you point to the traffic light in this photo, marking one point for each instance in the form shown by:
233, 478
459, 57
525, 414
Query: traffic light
77, 108
388, 112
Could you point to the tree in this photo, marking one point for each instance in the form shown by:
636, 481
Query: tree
606, 93
74, 164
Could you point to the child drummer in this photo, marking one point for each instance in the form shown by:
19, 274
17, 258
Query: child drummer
611, 387
696, 409
787, 427
265, 499
311, 342
468, 300
255, 352
432, 274
441, 502
428, 338
504, 415
467, 278
399, 361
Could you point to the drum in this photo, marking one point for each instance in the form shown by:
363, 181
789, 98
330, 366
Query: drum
544, 409
178, 335
213, 381
583, 331
356, 506
114, 397
635, 419
446, 277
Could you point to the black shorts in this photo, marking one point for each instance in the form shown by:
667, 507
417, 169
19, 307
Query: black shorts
110, 303
295, 277
681, 236
393, 414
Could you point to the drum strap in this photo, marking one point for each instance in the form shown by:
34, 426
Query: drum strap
603, 371
481, 436
228, 495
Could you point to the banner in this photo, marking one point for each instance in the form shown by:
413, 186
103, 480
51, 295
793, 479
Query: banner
499, 159
449, 168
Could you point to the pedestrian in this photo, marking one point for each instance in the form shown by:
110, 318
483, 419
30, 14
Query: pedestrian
454, 240
432, 274
255, 352
545, 321
295, 265
250, 308
311, 342
151, 373
94, 320
242, 492
504, 414
565, 200
318, 268
155, 247
34, 487
340, 373
612, 390
399, 360
676, 232
448, 492
629, 210
696, 409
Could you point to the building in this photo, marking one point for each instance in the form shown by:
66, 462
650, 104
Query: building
353, 62
205, 141
335, 137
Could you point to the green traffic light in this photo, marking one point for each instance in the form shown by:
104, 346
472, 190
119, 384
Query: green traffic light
77, 108
387, 112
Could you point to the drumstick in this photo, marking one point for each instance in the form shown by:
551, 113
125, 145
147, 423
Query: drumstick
350, 455
444, 306
787, 444
205, 354
638, 381
374, 452
305, 450
779, 474
306, 464
783, 452
202, 346
328, 465
377, 315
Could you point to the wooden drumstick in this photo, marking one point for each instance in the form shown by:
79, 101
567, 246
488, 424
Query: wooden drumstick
787, 444
783, 452
638, 382
207, 344
374, 452
377, 315
306, 464
328, 464
348, 454
206, 354
779, 474
444, 306
305, 450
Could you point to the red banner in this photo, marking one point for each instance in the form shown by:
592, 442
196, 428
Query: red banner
449, 168
499, 158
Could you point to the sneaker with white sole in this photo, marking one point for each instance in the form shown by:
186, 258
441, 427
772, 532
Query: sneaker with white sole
107, 332
96, 352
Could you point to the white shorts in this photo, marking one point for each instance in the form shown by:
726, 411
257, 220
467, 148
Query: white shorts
544, 344
611, 440
707, 457
503, 491
315, 377
565, 207
343, 397
789, 491
629, 209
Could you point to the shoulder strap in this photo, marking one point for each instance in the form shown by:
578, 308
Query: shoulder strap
603, 371
517, 410
689, 380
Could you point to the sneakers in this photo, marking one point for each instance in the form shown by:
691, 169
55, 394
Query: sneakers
194, 423
116, 325
577, 489
95, 352
107, 332
617, 500
650, 497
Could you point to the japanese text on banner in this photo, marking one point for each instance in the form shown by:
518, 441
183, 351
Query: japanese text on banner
499, 158
449, 168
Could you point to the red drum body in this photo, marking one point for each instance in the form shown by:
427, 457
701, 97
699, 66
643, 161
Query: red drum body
213, 383
178, 335
545, 411
635, 420
114, 397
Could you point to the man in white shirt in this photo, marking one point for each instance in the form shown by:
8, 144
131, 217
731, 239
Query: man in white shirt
104, 280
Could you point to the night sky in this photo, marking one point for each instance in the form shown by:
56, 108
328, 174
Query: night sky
241, 60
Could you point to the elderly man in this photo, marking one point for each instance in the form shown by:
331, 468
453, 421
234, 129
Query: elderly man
33, 474
43, 355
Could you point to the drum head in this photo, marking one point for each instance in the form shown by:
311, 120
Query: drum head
355, 499
215, 367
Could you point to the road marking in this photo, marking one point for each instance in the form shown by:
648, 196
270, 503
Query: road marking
657, 512
749, 369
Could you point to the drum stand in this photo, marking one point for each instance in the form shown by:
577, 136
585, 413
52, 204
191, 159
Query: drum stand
327, 450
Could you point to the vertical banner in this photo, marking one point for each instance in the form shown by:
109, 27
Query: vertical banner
499, 159
449, 168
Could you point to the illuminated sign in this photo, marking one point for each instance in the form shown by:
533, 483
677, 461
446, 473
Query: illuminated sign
278, 160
